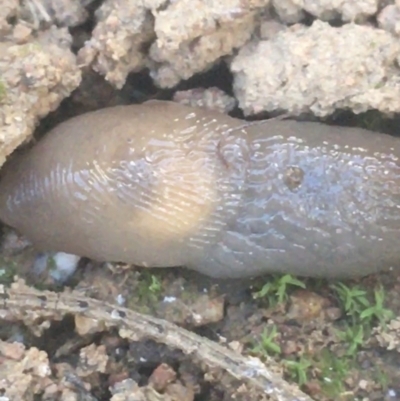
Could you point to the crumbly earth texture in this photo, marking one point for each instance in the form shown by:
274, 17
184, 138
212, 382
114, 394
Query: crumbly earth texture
297, 70
278, 60
177, 50
327, 9
35, 76
319, 69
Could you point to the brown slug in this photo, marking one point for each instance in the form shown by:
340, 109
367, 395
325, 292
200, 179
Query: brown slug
161, 184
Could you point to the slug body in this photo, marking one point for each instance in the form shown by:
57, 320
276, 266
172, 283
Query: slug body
161, 184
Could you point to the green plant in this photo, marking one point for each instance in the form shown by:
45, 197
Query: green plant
8, 270
276, 290
3, 91
354, 337
361, 313
332, 372
267, 344
377, 310
354, 300
155, 285
381, 377
298, 370
51, 264
149, 288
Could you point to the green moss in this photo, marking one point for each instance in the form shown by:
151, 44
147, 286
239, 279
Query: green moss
363, 309
277, 290
28, 48
267, 344
299, 370
381, 378
333, 371
3, 90
147, 293
8, 270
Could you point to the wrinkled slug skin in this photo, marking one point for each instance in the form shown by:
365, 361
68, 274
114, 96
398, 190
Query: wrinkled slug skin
161, 184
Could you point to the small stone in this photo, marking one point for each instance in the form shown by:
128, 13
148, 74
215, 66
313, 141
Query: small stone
85, 325
162, 376
307, 306
21, 33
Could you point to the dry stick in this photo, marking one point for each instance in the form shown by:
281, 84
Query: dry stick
22, 302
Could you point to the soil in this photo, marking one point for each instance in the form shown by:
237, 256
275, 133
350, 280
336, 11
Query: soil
99, 365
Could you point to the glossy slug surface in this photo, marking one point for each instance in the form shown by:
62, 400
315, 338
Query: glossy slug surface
318, 201
161, 184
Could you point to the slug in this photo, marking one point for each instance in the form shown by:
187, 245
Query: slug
162, 184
